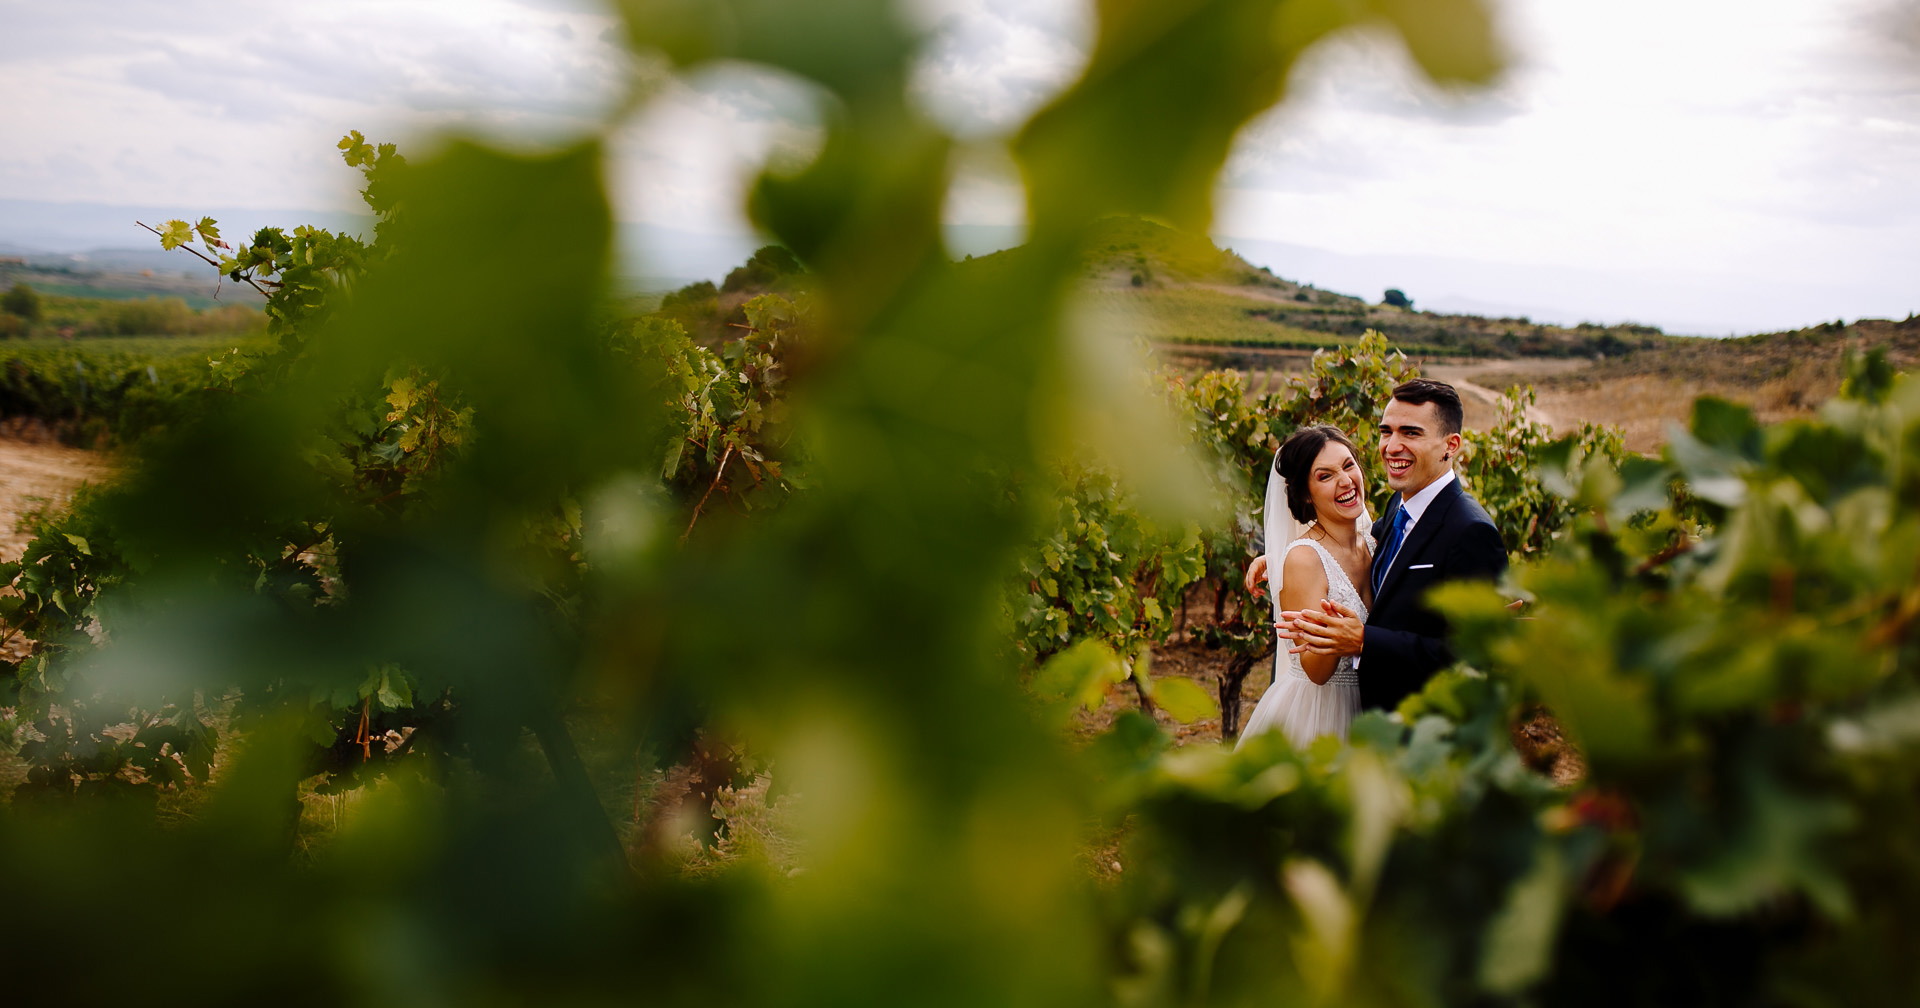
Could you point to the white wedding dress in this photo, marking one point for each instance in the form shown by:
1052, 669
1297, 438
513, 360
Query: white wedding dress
1294, 705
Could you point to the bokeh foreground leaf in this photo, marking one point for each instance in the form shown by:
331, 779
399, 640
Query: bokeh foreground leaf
853, 636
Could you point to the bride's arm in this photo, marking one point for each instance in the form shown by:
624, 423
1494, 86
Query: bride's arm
1303, 584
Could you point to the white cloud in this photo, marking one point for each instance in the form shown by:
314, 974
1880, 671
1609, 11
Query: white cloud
1731, 139
121, 88
992, 63
1770, 143
687, 160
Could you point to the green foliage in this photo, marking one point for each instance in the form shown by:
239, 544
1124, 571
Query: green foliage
373, 449
1346, 389
850, 632
1103, 571
440, 517
91, 318
727, 429
765, 268
23, 301
1745, 703
1106, 571
699, 295
1522, 480
715, 315
103, 391
1737, 695
79, 743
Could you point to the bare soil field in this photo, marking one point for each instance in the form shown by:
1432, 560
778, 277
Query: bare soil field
34, 473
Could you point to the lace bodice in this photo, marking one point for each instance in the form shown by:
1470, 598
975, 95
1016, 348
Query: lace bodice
1341, 590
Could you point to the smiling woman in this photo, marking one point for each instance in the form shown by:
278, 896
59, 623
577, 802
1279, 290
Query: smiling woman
1321, 486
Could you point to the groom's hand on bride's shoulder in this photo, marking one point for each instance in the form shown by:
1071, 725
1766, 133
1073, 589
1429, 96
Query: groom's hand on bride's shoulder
1257, 575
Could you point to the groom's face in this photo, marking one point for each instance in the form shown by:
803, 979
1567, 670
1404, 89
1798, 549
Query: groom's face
1414, 446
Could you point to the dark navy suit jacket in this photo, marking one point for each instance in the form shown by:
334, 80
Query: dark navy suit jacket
1406, 641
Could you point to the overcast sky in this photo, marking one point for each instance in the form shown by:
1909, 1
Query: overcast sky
1708, 165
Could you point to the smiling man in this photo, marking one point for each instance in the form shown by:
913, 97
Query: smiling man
1432, 532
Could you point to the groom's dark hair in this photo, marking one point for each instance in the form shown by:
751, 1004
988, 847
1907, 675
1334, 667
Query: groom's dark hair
1425, 390
1295, 460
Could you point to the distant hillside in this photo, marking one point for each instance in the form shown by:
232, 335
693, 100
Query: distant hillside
1779, 375
1216, 309
1184, 290
125, 277
1804, 366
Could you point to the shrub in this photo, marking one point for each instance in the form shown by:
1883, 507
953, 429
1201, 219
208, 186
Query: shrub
23, 301
762, 271
150, 316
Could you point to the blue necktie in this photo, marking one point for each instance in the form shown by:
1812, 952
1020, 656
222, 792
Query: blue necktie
1395, 533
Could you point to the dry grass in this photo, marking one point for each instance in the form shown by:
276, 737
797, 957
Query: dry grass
1781, 376
1200, 313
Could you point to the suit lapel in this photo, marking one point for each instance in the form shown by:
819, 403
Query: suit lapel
1418, 537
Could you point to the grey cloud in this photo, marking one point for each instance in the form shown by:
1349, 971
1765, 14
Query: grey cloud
239, 96
457, 71
754, 95
86, 27
1364, 70
266, 67
989, 64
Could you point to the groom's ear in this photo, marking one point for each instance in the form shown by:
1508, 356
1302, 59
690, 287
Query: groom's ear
1454, 442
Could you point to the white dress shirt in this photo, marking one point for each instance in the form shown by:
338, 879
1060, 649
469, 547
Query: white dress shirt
1418, 505
1414, 509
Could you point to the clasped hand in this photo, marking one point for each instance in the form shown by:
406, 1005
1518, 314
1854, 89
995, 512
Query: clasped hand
1333, 629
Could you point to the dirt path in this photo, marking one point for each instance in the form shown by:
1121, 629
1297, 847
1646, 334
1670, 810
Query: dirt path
1524, 368
33, 475
1492, 399
1253, 292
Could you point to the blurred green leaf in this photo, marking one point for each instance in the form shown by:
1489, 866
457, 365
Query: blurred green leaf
1080, 675
1520, 938
1183, 700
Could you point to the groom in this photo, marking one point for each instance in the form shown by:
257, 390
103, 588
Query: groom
1432, 532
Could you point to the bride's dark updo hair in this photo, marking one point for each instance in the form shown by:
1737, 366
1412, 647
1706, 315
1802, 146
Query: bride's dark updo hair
1297, 453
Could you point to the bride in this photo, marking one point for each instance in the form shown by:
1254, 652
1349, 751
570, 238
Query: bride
1316, 480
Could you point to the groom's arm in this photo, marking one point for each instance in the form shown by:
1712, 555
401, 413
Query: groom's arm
1477, 554
1404, 652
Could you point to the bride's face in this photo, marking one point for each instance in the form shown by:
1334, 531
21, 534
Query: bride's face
1334, 486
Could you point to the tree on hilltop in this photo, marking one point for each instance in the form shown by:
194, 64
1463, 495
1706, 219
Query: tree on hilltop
763, 269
